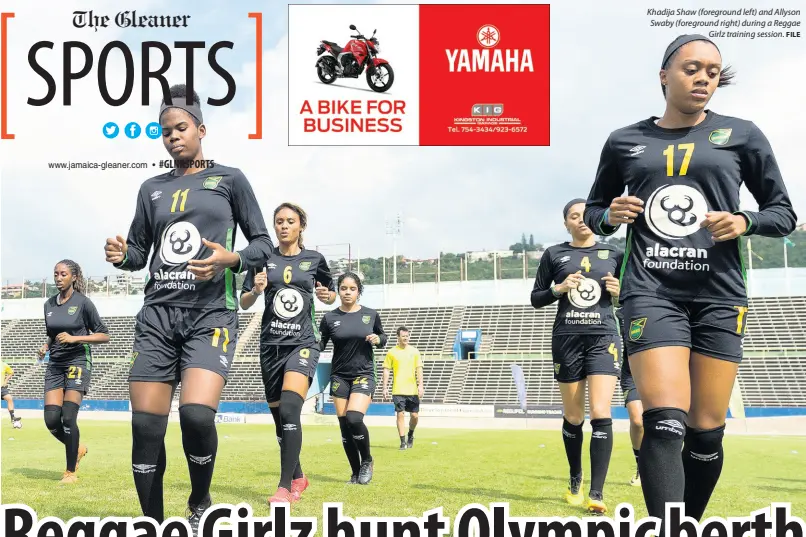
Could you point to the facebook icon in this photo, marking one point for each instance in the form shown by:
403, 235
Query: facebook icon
132, 130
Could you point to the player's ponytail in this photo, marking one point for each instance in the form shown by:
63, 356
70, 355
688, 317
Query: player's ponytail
303, 218
80, 283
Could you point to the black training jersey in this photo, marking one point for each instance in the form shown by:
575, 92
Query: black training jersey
78, 317
353, 355
288, 318
174, 214
682, 174
588, 309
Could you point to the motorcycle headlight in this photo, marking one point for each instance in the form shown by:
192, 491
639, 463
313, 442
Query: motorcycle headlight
377, 49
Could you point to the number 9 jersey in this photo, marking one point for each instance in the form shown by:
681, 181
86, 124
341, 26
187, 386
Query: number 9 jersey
288, 317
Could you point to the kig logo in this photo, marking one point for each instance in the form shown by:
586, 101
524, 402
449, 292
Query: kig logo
488, 58
148, 71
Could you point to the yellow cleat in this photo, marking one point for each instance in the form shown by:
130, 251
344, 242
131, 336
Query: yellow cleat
636, 480
69, 478
574, 496
596, 507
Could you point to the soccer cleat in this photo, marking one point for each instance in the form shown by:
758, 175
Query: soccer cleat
298, 486
82, 452
195, 513
353, 480
69, 478
283, 495
596, 506
365, 474
573, 495
403, 446
636, 480
17, 423
410, 443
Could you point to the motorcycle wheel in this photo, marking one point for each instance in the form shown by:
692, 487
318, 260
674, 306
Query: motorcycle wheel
390, 78
326, 74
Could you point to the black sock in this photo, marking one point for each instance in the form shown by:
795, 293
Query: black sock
148, 461
636, 452
11, 413
601, 449
290, 411
200, 441
53, 421
278, 431
660, 463
71, 433
360, 433
572, 438
350, 447
702, 460
411, 434
403, 439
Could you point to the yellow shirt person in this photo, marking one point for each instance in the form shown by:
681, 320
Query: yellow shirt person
405, 362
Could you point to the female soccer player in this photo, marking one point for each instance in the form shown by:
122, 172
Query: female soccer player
355, 331
632, 401
72, 324
684, 293
586, 345
188, 327
289, 342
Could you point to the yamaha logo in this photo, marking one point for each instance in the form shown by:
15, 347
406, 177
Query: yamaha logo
180, 243
488, 36
675, 211
287, 303
587, 294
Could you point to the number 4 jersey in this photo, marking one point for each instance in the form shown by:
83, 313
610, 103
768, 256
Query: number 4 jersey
289, 315
682, 174
588, 309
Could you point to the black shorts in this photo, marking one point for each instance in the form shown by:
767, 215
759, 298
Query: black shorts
705, 327
578, 356
344, 387
628, 388
406, 403
4, 392
169, 339
72, 374
277, 360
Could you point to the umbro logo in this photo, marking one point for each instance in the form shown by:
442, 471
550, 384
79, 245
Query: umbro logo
565, 259
50, 313
358, 436
673, 426
144, 468
337, 323
289, 426
569, 435
271, 266
637, 150
156, 195
201, 461
709, 457
599, 435
303, 362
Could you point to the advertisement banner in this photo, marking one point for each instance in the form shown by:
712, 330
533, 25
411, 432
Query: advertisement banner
427, 75
515, 411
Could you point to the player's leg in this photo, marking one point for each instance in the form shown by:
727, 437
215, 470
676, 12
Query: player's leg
570, 376
400, 412
271, 372
602, 365
77, 383
340, 392
152, 381
413, 408
717, 332
208, 349
54, 399
636, 410
6, 396
361, 390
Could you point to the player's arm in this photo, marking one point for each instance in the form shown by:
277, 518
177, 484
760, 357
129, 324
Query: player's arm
132, 254
775, 216
418, 364
94, 324
8, 373
377, 329
387, 365
324, 333
543, 293
605, 196
253, 286
325, 286
612, 283
249, 218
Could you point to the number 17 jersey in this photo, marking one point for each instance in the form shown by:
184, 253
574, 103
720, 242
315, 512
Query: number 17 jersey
289, 314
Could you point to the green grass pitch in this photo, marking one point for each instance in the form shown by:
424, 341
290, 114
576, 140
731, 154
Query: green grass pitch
446, 468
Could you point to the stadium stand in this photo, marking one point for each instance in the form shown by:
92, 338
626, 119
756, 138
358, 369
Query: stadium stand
771, 375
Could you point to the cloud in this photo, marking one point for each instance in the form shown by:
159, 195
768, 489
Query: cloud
604, 63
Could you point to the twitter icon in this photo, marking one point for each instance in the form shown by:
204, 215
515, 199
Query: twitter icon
132, 130
111, 129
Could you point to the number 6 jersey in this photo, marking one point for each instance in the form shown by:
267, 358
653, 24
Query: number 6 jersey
588, 309
289, 314
682, 174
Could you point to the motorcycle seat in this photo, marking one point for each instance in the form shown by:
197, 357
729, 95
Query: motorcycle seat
336, 48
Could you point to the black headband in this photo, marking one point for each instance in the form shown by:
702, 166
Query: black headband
679, 42
179, 102
571, 204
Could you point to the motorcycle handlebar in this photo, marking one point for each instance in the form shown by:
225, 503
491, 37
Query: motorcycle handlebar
358, 36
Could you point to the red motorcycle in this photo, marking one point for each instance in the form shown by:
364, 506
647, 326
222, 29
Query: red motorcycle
358, 55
